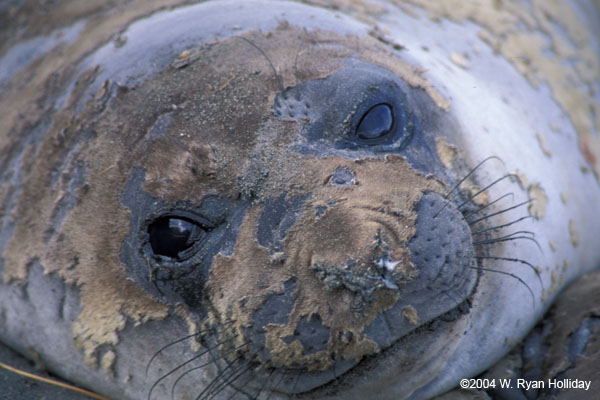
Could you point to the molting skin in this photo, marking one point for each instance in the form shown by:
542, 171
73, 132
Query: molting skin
297, 201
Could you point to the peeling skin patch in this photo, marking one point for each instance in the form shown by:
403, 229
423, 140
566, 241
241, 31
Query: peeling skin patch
573, 233
535, 192
108, 362
545, 41
410, 314
557, 281
540, 201
446, 152
449, 156
542, 142
459, 60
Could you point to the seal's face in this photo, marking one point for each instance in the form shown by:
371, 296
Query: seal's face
292, 209
296, 206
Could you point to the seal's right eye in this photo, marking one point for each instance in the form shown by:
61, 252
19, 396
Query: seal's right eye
170, 236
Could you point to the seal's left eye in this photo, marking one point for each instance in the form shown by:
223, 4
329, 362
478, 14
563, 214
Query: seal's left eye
169, 236
376, 123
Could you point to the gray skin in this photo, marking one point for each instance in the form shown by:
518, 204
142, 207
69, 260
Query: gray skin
286, 185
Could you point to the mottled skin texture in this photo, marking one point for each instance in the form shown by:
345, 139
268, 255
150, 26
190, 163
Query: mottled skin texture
324, 265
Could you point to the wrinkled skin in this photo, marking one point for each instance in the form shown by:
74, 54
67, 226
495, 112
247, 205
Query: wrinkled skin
326, 209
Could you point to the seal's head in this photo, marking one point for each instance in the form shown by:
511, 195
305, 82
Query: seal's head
288, 206
290, 195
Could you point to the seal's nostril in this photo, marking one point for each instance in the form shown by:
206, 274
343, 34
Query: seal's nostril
342, 176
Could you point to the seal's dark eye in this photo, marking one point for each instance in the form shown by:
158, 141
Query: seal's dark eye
169, 236
375, 123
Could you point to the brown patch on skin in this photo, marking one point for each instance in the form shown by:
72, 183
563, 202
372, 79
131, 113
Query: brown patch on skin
449, 156
536, 194
366, 11
410, 314
542, 142
193, 326
564, 197
557, 282
48, 74
342, 237
446, 152
540, 201
552, 245
573, 233
545, 41
412, 75
108, 362
459, 60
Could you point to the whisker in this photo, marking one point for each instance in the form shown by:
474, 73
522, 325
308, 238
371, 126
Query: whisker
296, 382
166, 347
227, 381
278, 382
202, 366
179, 341
468, 214
296, 59
501, 226
268, 60
209, 386
217, 383
257, 395
469, 174
484, 189
460, 182
509, 274
155, 384
451, 298
242, 386
499, 212
509, 238
534, 269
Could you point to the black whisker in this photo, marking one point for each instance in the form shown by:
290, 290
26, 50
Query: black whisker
278, 382
166, 347
480, 209
534, 269
264, 385
499, 212
179, 341
202, 366
509, 274
296, 59
484, 189
451, 298
500, 226
461, 181
222, 379
469, 174
508, 238
296, 382
155, 384
229, 379
268, 60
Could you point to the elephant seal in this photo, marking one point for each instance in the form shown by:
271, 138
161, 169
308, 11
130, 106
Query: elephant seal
274, 199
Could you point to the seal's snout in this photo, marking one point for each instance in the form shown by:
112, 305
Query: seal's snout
442, 247
371, 254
